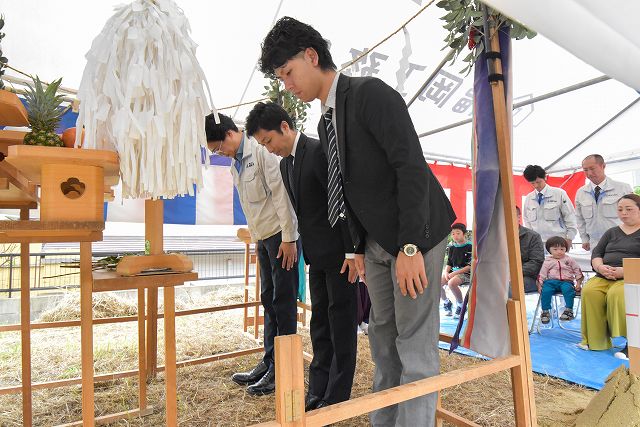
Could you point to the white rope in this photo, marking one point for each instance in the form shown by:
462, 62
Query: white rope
142, 95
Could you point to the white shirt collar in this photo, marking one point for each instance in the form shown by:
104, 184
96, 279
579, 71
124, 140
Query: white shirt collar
295, 145
331, 96
602, 185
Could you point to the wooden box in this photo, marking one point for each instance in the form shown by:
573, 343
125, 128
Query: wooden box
71, 193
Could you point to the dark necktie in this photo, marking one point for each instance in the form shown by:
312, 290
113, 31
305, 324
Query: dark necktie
596, 193
336, 198
290, 174
540, 198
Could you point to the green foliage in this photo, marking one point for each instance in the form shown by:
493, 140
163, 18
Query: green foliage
44, 113
637, 190
296, 108
464, 20
3, 60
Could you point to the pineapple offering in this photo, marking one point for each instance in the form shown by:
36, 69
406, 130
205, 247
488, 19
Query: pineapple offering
44, 113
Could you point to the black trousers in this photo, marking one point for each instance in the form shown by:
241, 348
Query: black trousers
333, 334
279, 290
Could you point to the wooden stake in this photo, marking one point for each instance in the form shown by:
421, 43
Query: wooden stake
170, 355
86, 334
25, 327
289, 381
153, 222
631, 267
142, 355
522, 375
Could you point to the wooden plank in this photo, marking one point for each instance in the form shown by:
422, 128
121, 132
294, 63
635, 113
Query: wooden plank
50, 236
631, 268
30, 158
25, 330
17, 178
371, 402
454, 419
170, 356
108, 320
86, 334
522, 376
142, 352
126, 374
289, 381
132, 265
153, 223
439, 417
108, 419
10, 137
106, 280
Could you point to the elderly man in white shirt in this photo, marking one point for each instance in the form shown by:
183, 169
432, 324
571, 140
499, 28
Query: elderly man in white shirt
596, 201
273, 225
548, 210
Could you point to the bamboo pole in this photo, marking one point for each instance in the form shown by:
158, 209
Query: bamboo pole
25, 328
522, 377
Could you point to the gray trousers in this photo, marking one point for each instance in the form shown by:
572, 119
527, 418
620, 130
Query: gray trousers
403, 335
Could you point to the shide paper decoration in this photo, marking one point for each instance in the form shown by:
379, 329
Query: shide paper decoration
142, 95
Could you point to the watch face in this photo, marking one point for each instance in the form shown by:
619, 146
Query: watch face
410, 250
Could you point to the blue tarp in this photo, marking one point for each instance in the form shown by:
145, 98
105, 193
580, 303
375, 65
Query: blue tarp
554, 351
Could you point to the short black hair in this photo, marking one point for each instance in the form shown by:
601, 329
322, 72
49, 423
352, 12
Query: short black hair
267, 116
554, 241
459, 226
217, 131
533, 172
287, 38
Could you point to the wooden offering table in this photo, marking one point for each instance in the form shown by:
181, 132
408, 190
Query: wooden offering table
74, 184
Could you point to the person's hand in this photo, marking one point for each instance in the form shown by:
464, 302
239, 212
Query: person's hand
445, 278
359, 261
539, 285
607, 271
410, 273
618, 273
586, 246
350, 265
289, 254
578, 287
569, 241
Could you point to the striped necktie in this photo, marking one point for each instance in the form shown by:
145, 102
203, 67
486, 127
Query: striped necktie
336, 198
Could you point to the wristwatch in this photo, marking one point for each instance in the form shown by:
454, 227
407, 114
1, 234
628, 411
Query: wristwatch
409, 249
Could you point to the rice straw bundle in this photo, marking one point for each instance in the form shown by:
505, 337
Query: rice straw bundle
142, 95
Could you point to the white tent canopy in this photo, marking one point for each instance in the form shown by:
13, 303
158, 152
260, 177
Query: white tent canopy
51, 38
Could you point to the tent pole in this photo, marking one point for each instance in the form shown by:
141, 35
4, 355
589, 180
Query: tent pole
602, 126
525, 102
521, 375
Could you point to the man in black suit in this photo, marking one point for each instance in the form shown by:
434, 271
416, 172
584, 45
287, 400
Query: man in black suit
327, 250
398, 212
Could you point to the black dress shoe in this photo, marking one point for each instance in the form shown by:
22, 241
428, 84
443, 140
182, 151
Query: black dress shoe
266, 385
322, 404
251, 377
310, 402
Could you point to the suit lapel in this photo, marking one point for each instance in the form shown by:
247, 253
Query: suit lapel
297, 165
341, 111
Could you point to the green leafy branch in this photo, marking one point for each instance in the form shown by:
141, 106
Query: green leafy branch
296, 108
3, 60
464, 22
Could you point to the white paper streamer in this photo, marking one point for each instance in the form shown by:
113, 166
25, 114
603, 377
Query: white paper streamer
401, 74
142, 95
